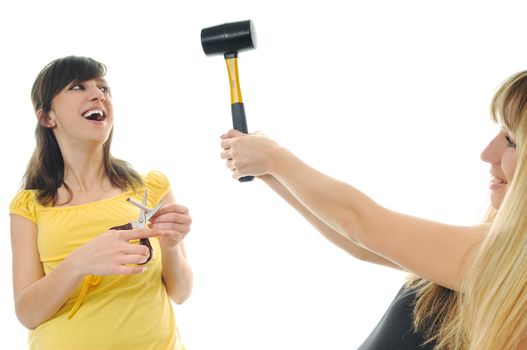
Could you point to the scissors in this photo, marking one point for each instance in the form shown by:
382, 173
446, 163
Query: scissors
145, 214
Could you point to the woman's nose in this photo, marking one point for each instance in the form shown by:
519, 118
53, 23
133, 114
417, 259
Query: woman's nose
492, 153
97, 94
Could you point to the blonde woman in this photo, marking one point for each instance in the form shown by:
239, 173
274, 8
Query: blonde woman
469, 285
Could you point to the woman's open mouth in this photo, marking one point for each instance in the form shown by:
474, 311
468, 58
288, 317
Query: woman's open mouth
94, 115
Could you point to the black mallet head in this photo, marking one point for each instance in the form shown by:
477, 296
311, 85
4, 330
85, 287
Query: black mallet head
228, 38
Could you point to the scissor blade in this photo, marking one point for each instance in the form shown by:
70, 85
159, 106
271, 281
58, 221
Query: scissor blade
152, 211
144, 197
139, 205
143, 209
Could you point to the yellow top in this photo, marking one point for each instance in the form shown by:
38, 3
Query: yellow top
109, 312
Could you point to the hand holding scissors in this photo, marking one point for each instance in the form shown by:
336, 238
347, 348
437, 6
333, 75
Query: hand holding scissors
145, 214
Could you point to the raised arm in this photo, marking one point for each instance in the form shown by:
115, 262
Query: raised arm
333, 236
435, 251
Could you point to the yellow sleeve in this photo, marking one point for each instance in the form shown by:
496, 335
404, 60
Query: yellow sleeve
24, 204
157, 185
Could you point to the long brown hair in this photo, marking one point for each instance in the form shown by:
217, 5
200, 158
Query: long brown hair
45, 171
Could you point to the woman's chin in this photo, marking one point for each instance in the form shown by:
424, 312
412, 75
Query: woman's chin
496, 197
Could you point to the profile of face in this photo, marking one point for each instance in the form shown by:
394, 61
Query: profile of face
501, 155
81, 112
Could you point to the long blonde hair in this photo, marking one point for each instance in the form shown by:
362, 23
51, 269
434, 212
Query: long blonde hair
490, 312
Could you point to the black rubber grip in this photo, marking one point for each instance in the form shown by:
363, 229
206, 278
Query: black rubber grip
239, 123
238, 117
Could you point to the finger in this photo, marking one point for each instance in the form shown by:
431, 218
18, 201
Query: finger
138, 233
227, 143
230, 164
233, 133
171, 208
172, 218
239, 173
227, 154
226, 135
132, 259
130, 270
170, 226
136, 249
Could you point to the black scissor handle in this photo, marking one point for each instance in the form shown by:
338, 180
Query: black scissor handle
142, 241
146, 242
127, 226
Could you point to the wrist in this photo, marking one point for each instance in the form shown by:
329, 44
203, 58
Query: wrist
172, 255
278, 157
71, 267
265, 177
167, 244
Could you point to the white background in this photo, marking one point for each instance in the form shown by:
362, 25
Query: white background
390, 96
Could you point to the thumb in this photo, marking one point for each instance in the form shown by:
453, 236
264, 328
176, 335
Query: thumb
232, 133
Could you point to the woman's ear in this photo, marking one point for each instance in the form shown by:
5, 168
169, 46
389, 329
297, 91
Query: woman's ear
45, 119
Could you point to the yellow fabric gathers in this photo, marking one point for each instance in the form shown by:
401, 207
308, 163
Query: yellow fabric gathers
131, 312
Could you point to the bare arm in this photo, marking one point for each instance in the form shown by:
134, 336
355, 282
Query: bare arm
177, 274
434, 251
333, 236
37, 296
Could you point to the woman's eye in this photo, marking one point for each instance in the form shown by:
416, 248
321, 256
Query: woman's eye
105, 89
76, 87
510, 143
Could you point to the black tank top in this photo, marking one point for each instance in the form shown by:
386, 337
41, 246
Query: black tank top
395, 330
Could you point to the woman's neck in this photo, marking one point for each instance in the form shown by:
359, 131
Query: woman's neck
84, 169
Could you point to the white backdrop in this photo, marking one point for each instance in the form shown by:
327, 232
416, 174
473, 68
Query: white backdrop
390, 96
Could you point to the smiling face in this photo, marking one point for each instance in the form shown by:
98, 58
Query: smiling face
501, 155
63, 92
81, 112
509, 110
